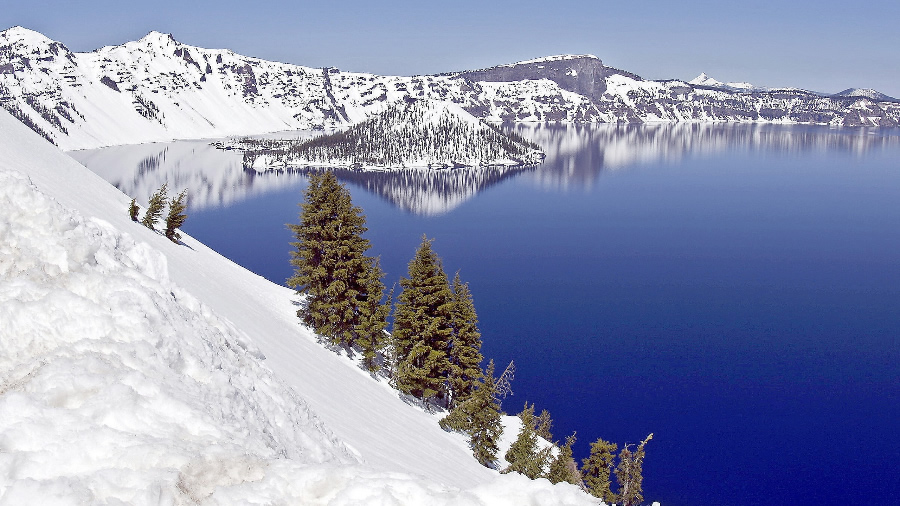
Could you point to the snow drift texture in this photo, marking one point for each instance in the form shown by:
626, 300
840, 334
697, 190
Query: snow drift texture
132, 372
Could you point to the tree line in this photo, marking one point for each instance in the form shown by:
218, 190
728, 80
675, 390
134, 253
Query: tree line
433, 352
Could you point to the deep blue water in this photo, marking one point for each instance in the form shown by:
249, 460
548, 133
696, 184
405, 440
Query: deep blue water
735, 290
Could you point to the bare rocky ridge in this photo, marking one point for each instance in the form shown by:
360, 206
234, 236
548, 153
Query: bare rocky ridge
158, 89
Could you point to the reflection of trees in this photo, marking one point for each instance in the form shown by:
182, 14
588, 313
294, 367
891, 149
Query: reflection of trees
576, 156
578, 153
425, 192
213, 177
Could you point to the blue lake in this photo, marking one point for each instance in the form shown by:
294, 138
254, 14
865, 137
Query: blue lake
734, 289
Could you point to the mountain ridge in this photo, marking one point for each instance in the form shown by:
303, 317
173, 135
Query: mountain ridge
159, 89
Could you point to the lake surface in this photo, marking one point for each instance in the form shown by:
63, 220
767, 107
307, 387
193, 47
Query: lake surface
734, 289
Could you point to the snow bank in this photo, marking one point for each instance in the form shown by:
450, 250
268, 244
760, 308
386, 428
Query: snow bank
115, 381
120, 383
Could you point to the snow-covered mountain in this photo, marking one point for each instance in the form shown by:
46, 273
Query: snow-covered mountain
705, 80
139, 371
157, 89
867, 93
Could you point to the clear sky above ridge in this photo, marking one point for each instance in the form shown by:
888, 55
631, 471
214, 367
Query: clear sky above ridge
824, 46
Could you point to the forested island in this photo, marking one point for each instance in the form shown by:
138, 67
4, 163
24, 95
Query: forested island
408, 134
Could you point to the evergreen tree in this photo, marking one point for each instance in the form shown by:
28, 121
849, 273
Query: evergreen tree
629, 474
479, 417
465, 348
155, 209
133, 210
341, 283
422, 327
370, 332
523, 456
543, 423
175, 218
596, 470
563, 467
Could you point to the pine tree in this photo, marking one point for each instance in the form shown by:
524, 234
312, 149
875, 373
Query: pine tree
523, 455
479, 417
563, 467
629, 474
175, 218
596, 470
543, 423
465, 348
331, 267
133, 210
370, 331
155, 209
422, 327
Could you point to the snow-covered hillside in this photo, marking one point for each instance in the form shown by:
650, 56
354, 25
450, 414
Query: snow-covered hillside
408, 134
137, 371
157, 89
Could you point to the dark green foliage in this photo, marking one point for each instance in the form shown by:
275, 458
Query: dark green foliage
542, 425
155, 209
465, 347
422, 327
175, 218
342, 284
597, 468
523, 455
373, 313
403, 132
479, 417
563, 467
133, 210
629, 474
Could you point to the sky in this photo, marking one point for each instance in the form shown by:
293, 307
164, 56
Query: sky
825, 46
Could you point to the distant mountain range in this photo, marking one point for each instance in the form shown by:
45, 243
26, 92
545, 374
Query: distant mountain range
157, 89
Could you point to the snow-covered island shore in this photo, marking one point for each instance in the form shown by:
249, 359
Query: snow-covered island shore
411, 133
138, 371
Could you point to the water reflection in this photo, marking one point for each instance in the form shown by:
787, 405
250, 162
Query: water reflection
577, 155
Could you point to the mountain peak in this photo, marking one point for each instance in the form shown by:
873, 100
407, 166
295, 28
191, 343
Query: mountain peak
25, 36
864, 92
159, 38
704, 80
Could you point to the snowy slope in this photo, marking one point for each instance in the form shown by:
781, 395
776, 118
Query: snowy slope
157, 89
132, 372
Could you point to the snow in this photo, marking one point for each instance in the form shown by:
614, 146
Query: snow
545, 59
138, 371
704, 80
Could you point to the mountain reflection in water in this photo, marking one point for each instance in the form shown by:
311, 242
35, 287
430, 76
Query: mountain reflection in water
577, 156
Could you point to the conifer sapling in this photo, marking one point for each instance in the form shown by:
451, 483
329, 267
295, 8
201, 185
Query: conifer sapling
629, 474
563, 467
176, 217
596, 470
155, 208
133, 210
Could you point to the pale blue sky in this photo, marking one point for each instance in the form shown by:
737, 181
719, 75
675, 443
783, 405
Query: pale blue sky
825, 46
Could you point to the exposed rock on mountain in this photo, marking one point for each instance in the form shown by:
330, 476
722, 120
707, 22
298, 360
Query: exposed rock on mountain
582, 74
157, 89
